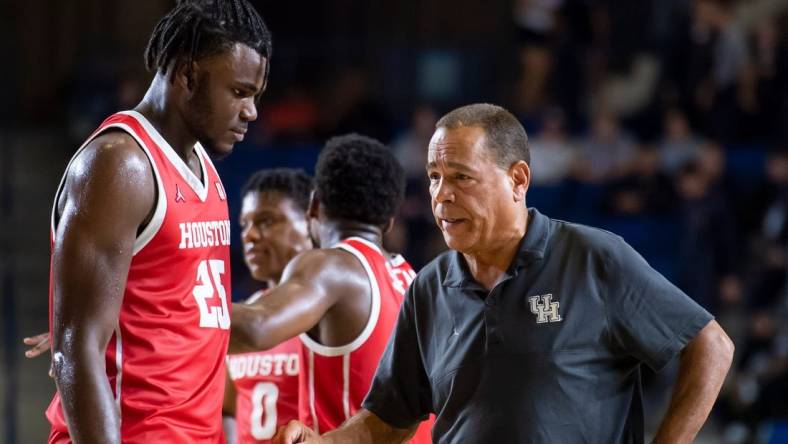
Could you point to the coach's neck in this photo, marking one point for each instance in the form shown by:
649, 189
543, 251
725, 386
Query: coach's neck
489, 260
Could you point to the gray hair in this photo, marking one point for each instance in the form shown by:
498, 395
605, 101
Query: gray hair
506, 137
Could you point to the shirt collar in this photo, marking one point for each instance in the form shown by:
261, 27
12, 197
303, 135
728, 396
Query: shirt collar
532, 247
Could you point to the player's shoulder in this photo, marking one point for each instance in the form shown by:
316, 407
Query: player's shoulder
321, 255
328, 261
111, 168
114, 152
114, 141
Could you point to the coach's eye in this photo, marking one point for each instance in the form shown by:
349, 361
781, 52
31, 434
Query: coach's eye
238, 92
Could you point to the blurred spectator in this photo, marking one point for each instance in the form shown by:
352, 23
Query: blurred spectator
645, 190
679, 146
770, 58
756, 395
708, 236
607, 153
568, 80
768, 246
552, 152
290, 118
774, 209
351, 106
760, 378
535, 21
727, 89
712, 162
415, 229
411, 146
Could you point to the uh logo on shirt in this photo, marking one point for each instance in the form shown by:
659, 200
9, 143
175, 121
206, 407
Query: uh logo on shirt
545, 310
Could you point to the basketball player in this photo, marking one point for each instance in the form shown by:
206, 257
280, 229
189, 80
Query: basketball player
262, 393
341, 300
140, 275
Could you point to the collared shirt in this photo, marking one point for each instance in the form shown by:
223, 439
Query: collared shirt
551, 354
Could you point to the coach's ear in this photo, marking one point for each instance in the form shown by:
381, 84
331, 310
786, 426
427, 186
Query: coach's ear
520, 176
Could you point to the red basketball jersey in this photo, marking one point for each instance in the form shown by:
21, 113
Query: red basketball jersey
335, 380
165, 361
266, 385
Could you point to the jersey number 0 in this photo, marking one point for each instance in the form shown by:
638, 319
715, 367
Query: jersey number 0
264, 399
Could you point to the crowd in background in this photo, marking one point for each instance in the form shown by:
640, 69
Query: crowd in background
665, 122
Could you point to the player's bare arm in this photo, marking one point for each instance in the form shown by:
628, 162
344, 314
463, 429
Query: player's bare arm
108, 193
363, 428
312, 285
704, 363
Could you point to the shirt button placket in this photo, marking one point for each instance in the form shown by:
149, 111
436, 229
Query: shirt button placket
491, 319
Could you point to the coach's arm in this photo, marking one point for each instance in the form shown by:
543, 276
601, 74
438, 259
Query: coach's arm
363, 428
108, 193
704, 363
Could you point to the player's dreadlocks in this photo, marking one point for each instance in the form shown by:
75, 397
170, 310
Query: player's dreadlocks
195, 29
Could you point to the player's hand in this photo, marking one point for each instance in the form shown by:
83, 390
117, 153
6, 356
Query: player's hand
296, 432
40, 344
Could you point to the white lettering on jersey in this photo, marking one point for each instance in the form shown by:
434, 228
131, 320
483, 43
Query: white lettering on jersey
249, 366
400, 278
204, 234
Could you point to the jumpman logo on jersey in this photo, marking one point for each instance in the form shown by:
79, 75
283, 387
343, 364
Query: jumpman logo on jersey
178, 195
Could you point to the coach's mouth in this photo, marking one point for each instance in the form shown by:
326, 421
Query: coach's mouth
451, 223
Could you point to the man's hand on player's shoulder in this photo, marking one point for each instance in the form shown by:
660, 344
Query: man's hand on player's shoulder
296, 432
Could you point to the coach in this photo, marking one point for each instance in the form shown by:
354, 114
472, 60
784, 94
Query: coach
531, 330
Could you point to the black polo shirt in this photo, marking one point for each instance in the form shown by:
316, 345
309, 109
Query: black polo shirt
551, 355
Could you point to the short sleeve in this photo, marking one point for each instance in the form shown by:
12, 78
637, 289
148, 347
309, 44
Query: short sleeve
650, 318
400, 393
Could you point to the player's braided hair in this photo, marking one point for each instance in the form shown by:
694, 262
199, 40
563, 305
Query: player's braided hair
357, 178
291, 183
198, 28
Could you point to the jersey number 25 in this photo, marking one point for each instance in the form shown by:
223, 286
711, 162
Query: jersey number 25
209, 284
